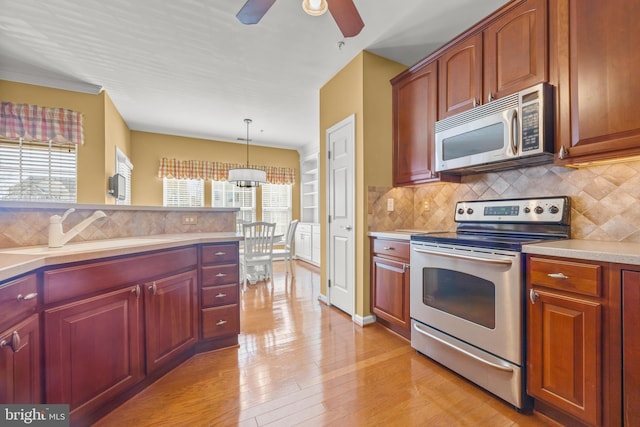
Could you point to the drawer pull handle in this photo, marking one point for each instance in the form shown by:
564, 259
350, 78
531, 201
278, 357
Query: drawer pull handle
221, 275
136, 291
389, 248
221, 295
220, 322
533, 296
27, 297
153, 288
14, 344
557, 276
220, 253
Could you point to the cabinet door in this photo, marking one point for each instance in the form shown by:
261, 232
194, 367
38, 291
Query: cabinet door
631, 347
515, 50
20, 363
460, 77
596, 59
303, 245
415, 100
565, 354
390, 291
171, 317
93, 349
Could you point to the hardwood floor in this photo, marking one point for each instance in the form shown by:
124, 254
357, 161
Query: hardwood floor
301, 362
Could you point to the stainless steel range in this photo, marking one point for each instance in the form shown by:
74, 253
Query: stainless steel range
467, 289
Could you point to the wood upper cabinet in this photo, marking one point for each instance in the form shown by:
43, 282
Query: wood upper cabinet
595, 63
415, 104
460, 82
20, 363
515, 50
506, 56
390, 275
171, 317
93, 349
631, 347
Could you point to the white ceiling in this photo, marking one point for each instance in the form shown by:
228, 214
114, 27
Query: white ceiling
189, 68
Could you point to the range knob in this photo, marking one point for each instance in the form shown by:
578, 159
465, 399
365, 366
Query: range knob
469, 211
538, 210
554, 209
460, 211
527, 210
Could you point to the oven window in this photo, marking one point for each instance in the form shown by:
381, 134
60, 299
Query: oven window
461, 295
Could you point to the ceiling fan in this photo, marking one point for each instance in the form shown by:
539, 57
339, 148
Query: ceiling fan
344, 12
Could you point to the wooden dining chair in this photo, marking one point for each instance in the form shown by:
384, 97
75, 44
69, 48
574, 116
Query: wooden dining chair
287, 251
258, 251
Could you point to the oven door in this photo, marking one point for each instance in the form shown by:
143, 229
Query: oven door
472, 294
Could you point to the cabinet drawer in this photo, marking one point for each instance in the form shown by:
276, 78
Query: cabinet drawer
220, 295
220, 254
392, 248
220, 321
18, 299
304, 228
568, 276
220, 275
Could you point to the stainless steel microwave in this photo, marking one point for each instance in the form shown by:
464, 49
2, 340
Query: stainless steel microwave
510, 132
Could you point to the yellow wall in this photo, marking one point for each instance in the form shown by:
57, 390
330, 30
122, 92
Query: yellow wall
91, 179
117, 134
362, 88
148, 148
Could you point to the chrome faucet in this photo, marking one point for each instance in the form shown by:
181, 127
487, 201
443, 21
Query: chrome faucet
57, 238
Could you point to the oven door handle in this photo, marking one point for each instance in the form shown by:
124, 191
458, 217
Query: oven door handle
467, 257
465, 352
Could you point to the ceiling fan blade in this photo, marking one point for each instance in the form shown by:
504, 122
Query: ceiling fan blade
346, 15
253, 11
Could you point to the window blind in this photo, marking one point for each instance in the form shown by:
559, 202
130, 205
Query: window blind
38, 171
124, 168
276, 205
226, 195
186, 193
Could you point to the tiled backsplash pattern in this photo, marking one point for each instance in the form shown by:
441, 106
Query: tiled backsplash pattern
604, 199
30, 227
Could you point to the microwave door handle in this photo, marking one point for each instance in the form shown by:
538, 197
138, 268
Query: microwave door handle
513, 122
467, 257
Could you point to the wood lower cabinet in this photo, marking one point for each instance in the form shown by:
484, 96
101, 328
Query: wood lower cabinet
20, 364
94, 349
390, 284
631, 347
594, 63
171, 317
219, 295
573, 343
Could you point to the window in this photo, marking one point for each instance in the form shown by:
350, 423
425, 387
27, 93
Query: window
276, 205
186, 193
124, 168
38, 171
226, 195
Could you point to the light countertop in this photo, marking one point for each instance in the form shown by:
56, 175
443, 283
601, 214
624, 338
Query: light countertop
402, 234
594, 250
16, 261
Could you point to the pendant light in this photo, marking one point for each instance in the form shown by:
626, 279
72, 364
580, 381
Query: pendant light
247, 177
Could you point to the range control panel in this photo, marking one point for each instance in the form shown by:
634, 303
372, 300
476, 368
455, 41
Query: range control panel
536, 210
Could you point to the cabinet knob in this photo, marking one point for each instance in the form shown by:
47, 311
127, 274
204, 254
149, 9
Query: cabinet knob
475, 102
220, 253
490, 97
27, 297
388, 248
136, 291
533, 296
153, 288
221, 295
563, 153
220, 322
14, 344
557, 276
221, 275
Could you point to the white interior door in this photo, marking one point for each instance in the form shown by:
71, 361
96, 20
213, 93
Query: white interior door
340, 205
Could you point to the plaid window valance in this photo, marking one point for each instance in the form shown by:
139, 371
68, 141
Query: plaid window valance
34, 123
218, 171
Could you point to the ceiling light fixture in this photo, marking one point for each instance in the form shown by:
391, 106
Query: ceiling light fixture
247, 177
315, 7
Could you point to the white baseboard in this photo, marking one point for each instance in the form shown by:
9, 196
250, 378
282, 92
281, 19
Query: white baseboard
323, 299
363, 321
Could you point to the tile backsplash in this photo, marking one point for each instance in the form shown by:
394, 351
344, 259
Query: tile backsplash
30, 226
604, 199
